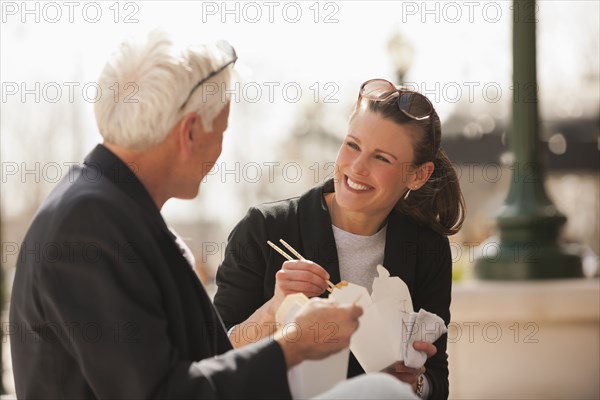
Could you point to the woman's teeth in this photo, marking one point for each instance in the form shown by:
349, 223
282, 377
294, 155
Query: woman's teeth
357, 186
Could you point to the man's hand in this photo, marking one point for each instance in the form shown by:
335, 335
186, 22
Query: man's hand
321, 327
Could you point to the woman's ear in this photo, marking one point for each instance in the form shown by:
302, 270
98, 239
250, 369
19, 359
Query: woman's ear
423, 173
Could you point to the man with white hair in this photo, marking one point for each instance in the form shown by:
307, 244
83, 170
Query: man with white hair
105, 303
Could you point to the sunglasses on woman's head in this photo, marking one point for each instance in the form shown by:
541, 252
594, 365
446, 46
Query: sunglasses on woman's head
412, 104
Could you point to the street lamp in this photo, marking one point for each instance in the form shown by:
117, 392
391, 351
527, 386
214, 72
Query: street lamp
402, 52
529, 223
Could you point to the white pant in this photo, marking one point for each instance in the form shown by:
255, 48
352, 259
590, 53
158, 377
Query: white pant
370, 386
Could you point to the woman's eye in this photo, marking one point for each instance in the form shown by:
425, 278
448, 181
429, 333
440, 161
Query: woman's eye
353, 145
382, 158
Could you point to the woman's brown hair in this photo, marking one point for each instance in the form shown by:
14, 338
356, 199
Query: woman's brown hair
439, 203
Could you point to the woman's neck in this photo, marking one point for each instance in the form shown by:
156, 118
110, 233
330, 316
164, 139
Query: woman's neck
358, 223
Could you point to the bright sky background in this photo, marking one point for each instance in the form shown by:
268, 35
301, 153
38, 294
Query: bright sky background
455, 43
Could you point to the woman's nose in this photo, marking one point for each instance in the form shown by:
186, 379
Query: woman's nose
360, 165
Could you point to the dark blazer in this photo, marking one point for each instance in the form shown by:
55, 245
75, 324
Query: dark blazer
104, 305
418, 255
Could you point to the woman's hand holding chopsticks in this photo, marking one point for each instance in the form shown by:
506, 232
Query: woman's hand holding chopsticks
298, 276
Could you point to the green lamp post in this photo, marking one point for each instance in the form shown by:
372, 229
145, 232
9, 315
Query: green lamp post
529, 223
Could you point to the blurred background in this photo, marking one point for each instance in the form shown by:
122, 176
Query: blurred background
300, 66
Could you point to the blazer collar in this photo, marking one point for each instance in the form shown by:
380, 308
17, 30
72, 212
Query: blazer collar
101, 163
400, 257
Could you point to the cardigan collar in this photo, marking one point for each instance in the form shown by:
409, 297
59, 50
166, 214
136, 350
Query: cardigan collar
400, 257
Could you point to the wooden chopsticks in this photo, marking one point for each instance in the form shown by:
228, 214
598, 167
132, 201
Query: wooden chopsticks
298, 255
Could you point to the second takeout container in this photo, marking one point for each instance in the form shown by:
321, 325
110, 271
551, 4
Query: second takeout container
311, 377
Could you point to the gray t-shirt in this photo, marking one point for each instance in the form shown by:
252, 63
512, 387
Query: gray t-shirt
359, 255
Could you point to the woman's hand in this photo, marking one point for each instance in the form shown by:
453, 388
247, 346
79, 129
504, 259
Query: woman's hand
299, 276
411, 375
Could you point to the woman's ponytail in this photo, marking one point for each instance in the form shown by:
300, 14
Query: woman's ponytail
439, 204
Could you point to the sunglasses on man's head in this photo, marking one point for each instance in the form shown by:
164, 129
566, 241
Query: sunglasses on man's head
230, 53
412, 104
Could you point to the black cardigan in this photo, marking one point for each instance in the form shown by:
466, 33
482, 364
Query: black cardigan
418, 255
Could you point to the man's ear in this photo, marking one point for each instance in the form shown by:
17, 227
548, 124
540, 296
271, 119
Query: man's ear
424, 173
187, 131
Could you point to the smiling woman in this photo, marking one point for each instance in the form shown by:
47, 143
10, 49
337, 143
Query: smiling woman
369, 174
393, 200
405, 122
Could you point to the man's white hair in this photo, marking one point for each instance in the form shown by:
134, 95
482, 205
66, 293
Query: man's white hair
145, 84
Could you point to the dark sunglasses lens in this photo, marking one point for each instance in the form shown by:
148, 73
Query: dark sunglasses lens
414, 105
377, 89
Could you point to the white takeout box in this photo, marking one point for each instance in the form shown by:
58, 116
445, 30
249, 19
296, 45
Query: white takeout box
378, 341
311, 377
377, 344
